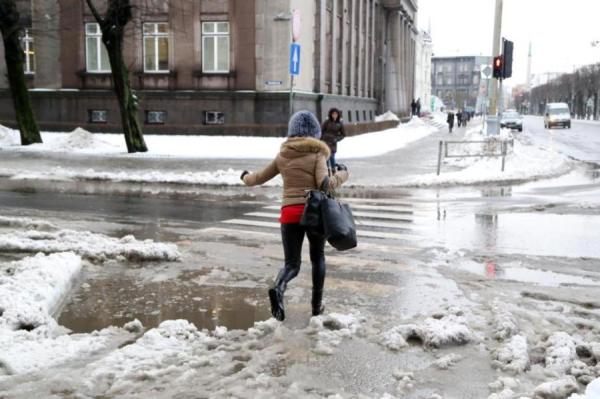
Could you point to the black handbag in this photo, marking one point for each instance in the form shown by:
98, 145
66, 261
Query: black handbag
311, 219
326, 216
338, 224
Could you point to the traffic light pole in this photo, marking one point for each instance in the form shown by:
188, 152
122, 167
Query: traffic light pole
496, 51
500, 105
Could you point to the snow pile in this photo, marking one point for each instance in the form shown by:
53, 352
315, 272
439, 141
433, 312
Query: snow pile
9, 137
406, 381
34, 224
433, 333
79, 140
25, 352
591, 392
504, 388
330, 330
560, 352
557, 389
448, 361
388, 116
525, 163
505, 325
512, 357
95, 247
228, 177
31, 290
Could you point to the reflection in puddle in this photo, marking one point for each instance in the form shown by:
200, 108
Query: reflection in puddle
492, 270
118, 299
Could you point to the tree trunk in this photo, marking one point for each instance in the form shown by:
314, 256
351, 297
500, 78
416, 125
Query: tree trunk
128, 105
118, 15
13, 53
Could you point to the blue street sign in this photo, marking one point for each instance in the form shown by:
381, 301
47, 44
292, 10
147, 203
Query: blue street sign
294, 59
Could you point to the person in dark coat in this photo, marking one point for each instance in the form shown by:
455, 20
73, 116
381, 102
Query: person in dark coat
413, 107
332, 133
450, 121
418, 107
459, 117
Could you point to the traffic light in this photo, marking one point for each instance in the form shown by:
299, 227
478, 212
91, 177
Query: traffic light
498, 67
507, 54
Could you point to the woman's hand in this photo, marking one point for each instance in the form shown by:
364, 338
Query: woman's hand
340, 166
244, 173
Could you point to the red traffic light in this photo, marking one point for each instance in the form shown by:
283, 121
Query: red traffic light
498, 67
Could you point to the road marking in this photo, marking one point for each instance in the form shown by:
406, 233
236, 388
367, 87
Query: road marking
359, 233
397, 209
359, 221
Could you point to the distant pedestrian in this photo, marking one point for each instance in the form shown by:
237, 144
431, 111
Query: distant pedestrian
413, 107
302, 164
333, 132
459, 117
418, 107
450, 120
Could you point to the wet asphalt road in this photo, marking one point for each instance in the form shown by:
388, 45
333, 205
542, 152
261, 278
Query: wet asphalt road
581, 142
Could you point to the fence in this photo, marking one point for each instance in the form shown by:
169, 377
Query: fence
491, 146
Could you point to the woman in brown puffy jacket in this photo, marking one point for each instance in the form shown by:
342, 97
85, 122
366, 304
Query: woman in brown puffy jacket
302, 163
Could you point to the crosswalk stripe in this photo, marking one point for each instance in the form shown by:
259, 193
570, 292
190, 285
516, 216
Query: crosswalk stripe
384, 201
359, 233
359, 221
397, 209
364, 245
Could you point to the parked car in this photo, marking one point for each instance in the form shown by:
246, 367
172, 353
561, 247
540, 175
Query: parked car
512, 120
557, 114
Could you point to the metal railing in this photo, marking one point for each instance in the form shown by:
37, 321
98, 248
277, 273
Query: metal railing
488, 151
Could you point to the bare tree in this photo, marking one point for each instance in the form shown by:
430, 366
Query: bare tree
12, 30
118, 15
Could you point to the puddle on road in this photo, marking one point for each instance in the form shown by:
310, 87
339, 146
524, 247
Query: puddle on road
117, 299
492, 270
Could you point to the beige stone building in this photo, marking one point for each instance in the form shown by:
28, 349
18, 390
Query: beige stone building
220, 65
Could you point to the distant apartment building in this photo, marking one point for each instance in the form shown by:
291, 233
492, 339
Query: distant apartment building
458, 82
219, 65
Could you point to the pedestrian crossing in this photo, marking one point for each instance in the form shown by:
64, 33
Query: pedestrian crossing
376, 220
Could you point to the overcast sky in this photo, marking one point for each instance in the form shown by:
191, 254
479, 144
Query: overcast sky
561, 31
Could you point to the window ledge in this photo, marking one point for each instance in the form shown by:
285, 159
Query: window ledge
156, 73
83, 73
201, 74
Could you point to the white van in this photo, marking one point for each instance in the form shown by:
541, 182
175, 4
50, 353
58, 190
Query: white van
557, 114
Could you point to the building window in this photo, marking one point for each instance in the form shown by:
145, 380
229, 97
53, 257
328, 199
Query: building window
364, 115
214, 118
156, 117
215, 47
357, 116
156, 47
29, 51
476, 79
97, 115
349, 116
96, 54
371, 115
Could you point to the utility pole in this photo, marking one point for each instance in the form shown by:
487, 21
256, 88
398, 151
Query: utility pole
495, 52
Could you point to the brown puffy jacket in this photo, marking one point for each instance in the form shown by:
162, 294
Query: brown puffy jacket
302, 163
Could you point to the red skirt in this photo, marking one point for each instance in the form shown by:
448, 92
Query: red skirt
291, 214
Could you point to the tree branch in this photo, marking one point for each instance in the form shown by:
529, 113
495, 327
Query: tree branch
94, 11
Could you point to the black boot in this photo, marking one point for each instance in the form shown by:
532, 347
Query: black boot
317, 298
276, 298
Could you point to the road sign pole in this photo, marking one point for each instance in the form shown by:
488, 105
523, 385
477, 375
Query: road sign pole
291, 95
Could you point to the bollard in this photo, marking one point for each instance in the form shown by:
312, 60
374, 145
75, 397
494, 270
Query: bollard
439, 165
504, 145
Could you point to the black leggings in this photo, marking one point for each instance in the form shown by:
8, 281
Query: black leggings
292, 236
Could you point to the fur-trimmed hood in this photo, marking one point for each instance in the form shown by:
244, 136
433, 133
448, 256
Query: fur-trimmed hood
299, 146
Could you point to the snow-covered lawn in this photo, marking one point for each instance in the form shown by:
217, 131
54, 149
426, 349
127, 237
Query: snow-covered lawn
210, 147
525, 162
